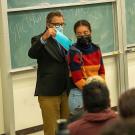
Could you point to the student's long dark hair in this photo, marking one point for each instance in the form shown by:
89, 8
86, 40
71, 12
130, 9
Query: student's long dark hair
82, 23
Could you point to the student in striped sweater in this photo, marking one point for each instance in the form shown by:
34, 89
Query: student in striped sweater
85, 60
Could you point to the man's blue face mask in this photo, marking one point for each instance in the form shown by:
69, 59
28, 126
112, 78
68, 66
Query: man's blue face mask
59, 28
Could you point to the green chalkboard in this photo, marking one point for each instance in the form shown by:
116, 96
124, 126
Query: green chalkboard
130, 21
26, 3
23, 25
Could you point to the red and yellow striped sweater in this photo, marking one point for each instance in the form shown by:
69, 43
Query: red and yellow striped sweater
85, 62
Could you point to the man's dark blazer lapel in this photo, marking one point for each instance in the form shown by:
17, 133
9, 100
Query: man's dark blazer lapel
53, 49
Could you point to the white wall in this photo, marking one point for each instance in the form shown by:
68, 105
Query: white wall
27, 111
131, 69
1, 109
26, 108
1, 98
111, 78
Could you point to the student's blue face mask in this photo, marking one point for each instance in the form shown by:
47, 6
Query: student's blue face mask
59, 28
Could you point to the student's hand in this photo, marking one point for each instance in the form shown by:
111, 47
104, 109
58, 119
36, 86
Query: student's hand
51, 32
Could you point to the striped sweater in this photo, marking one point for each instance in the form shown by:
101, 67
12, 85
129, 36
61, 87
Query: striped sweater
85, 62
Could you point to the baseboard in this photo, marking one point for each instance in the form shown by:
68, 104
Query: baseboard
29, 130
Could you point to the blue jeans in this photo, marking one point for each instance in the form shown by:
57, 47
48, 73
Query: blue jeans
75, 100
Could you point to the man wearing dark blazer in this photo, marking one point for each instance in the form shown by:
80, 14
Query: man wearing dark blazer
52, 73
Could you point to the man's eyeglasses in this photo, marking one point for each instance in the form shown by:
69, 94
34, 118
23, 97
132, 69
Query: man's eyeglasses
58, 24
